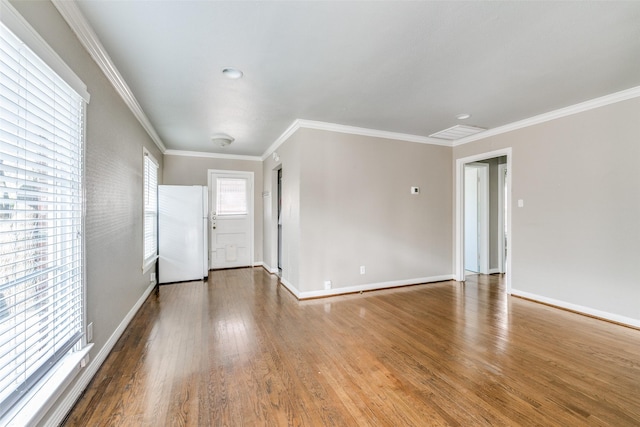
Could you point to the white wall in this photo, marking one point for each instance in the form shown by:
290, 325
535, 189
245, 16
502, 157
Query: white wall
575, 241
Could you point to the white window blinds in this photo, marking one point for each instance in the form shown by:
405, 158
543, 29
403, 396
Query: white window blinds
150, 194
41, 280
231, 196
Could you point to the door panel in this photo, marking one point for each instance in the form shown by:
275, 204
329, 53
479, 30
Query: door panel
231, 220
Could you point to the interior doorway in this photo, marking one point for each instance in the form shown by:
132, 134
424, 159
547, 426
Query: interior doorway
476, 218
470, 246
279, 195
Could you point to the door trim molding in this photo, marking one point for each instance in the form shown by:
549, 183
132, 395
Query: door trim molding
501, 184
459, 203
250, 177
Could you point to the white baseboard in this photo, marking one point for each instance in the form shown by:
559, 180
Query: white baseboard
579, 308
366, 287
291, 288
258, 264
494, 271
83, 381
268, 268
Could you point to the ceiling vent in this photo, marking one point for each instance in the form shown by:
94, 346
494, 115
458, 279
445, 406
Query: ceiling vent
457, 132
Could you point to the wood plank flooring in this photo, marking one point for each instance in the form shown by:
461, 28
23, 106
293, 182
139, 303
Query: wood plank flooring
241, 350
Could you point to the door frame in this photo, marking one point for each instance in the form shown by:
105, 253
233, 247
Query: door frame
271, 198
484, 252
459, 202
250, 205
501, 183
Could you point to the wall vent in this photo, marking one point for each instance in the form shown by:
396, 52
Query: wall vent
457, 132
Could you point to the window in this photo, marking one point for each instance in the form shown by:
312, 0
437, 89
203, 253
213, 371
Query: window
41, 199
150, 194
231, 196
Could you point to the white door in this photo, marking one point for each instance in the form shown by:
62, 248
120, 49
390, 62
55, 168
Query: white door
231, 219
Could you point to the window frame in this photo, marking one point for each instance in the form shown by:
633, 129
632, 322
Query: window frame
33, 405
148, 261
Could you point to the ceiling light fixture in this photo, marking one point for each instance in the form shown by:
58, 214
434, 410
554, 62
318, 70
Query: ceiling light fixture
232, 73
222, 139
463, 116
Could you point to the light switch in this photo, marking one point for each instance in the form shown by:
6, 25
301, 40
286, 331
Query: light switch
520, 203
415, 190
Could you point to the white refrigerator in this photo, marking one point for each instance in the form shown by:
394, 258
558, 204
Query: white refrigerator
182, 233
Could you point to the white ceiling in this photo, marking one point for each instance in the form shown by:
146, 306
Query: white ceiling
406, 67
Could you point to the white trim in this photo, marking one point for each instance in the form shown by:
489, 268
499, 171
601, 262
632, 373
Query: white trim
72, 14
578, 308
562, 112
591, 104
70, 399
370, 287
150, 263
30, 37
459, 202
290, 287
212, 155
35, 404
266, 267
293, 127
501, 183
352, 130
494, 271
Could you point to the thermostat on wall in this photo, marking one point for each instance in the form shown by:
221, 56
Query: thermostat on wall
415, 190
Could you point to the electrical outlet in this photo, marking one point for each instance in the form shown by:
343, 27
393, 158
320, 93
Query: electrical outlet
327, 285
90, 332
362, 269
152, 277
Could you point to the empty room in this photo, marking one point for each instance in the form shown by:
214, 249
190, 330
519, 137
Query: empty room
292, 213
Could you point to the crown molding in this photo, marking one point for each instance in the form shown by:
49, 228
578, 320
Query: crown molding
76, 20
213, 155
591, 104
293, 127
351, 130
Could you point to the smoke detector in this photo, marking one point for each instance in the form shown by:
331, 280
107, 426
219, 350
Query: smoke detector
222, 139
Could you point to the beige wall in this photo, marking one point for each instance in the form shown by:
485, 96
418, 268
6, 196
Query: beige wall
190, 170
113, 181
355, 208
576, 238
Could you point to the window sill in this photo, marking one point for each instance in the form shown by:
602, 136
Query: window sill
35, 404
151, 262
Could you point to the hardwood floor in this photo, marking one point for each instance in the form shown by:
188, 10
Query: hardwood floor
241, 350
